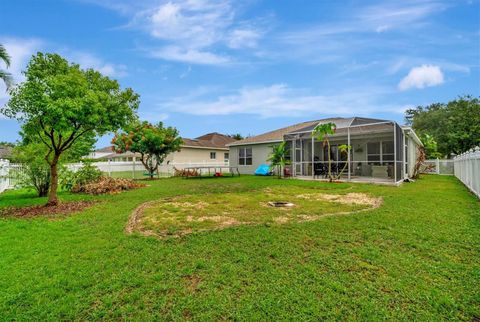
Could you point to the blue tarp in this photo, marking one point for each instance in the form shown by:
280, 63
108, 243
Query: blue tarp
263, 170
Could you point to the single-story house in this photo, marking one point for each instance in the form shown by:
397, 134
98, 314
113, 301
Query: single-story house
381, 150
206, 149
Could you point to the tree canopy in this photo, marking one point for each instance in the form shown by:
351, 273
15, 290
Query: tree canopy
59, 103
454, 126
152, 142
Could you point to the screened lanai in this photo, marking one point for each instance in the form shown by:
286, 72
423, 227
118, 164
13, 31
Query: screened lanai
377, 151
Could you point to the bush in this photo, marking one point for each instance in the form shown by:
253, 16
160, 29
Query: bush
86, 174
106, 185
35, 172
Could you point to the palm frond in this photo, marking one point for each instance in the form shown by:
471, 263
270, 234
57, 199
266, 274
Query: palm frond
4, 55
7, 78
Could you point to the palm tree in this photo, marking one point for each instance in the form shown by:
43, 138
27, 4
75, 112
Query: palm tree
278, 157
343, 149
4, 75
321, 132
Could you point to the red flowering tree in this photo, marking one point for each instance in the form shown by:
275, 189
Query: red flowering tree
152, 142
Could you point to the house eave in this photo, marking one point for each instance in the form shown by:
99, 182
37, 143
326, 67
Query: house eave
253, 143
203, 147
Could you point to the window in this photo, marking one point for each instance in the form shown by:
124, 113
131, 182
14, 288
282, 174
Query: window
213, 155
380, 152
226, 156
245, 156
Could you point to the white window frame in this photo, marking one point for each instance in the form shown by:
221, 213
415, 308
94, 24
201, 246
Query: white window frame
214, 154
244, 158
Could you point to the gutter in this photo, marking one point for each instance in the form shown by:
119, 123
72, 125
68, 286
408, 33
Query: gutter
412, 134
252, 143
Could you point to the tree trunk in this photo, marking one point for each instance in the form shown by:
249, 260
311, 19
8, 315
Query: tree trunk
52, 194
329, 162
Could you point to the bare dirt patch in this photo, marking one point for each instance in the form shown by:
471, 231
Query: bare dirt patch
192, 282
182, 215
63, 208
349, 198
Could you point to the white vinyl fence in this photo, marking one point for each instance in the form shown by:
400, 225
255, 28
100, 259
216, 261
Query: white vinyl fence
438, 166
467, 169
4, 167
11, 172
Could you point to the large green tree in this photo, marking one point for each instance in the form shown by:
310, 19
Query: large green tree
59, 103
4, 75
455, 126
152, 142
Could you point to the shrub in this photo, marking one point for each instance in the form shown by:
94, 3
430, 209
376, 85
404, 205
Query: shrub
106, 185
35, 172
86, 174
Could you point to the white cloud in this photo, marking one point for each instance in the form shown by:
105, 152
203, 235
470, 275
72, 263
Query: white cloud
422, 76
196, 24
20, 51
356, 32
153, 117
244, 38
403, 14
88, 60
281, 100
192, 56
192, 31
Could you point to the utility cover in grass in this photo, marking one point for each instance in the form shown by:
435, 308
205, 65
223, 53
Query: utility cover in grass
206, 212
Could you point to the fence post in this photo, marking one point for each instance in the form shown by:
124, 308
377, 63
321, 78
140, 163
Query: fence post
109, 168
437, 165
133, 174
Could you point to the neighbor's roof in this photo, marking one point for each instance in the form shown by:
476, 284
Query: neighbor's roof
5, 152
211, 140
107, 149
277, 135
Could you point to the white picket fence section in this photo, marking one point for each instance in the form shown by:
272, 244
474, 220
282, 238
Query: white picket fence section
4, 179
10, 172
467, 169
438, 166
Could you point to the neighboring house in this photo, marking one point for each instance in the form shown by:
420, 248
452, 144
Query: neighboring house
6, 152
206, 149
382, 150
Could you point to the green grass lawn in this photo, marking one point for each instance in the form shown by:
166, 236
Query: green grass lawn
415, 257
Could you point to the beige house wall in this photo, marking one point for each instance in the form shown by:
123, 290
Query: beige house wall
412, 153
260, 153
197, 155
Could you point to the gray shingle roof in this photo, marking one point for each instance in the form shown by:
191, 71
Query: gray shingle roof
277, 135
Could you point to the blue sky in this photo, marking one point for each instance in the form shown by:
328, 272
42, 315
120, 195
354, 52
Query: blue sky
252, 66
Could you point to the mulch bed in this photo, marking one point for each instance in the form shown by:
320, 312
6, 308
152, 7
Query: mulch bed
63, 208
